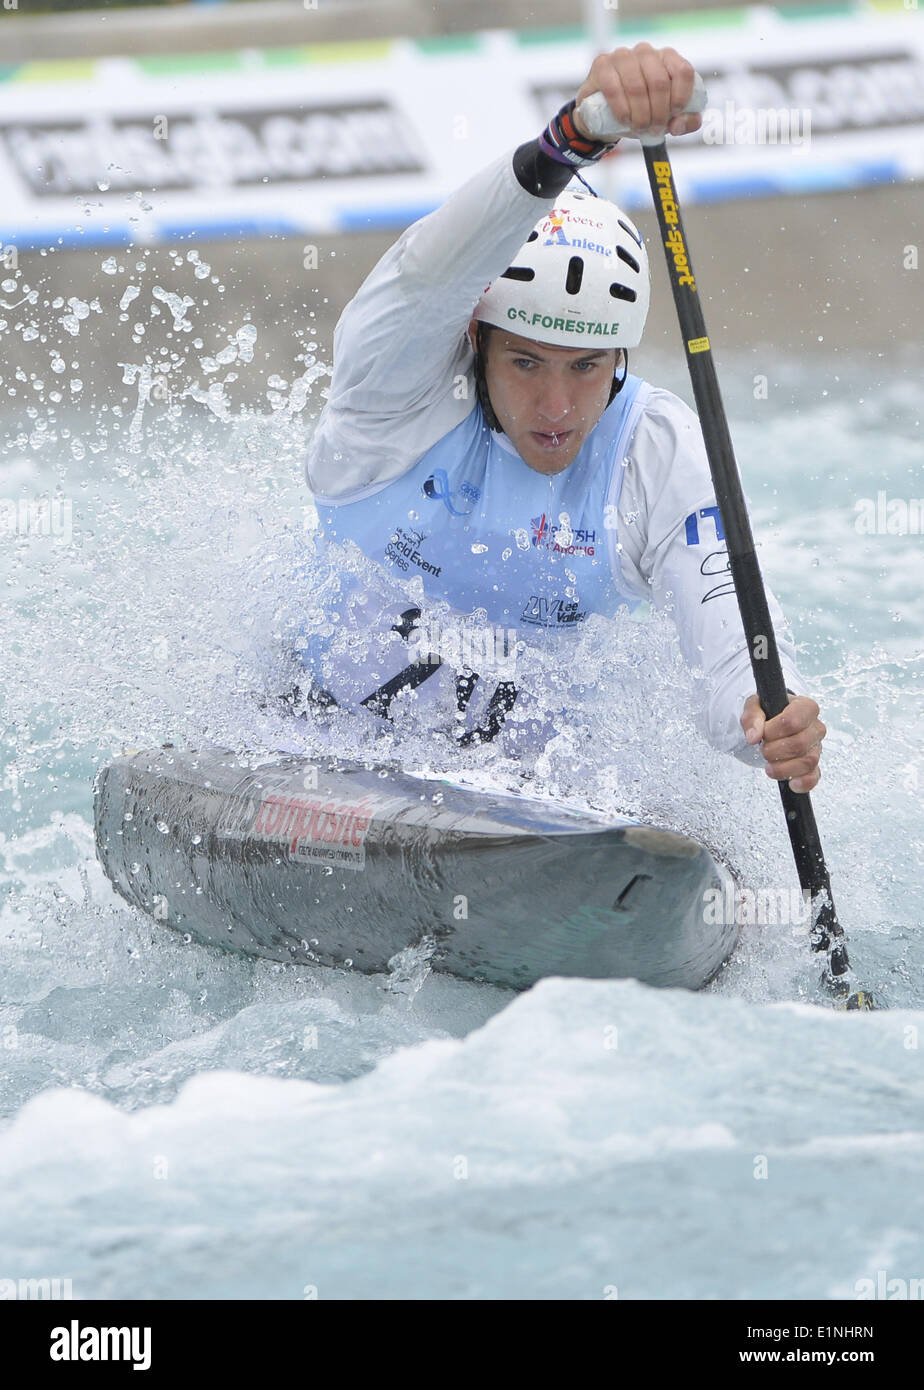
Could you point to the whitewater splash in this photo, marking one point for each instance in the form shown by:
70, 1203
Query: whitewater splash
416, 1135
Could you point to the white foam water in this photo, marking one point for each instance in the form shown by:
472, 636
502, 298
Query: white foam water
181, 1122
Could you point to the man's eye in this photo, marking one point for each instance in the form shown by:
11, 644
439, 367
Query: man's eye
523, 362
589, 365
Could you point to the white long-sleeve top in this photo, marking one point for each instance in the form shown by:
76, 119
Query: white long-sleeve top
403, 380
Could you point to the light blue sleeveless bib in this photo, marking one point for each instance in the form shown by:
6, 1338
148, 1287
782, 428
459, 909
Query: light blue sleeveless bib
485, 531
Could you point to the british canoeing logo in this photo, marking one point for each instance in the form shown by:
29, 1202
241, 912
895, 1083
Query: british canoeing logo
561, 539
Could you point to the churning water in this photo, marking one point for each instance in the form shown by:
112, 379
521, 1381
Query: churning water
180, 1122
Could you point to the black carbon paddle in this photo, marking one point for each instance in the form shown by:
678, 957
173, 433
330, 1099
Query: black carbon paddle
827, 934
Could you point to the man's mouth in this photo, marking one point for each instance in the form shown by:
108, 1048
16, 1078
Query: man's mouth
551, 439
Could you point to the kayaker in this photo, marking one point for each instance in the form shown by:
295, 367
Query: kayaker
484, 443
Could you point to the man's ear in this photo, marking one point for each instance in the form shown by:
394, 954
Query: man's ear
473, 333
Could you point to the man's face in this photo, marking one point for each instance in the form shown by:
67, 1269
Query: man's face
546, 399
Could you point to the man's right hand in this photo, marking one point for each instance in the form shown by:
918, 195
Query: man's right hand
647, 89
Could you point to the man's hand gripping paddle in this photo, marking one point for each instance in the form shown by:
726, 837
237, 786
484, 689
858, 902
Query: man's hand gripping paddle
827, 934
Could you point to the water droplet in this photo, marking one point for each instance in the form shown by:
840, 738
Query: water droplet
163, 827
197, 839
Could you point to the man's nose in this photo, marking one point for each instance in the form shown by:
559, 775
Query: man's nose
555, 401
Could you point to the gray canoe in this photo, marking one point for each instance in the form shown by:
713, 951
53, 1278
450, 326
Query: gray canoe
326, 861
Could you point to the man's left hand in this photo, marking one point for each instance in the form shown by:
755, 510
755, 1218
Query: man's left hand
791, 741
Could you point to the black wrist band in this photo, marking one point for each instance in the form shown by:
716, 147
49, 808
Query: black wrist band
562, 141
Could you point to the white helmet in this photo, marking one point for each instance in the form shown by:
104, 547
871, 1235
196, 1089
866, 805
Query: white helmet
580, 279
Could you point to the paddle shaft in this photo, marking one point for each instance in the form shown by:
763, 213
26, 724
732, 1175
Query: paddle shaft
827, 932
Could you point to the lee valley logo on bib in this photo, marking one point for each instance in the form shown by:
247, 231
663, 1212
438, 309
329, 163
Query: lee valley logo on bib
565, 325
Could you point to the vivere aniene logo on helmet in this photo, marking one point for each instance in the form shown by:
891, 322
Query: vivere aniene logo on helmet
557, 237
579, 244
562, 325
